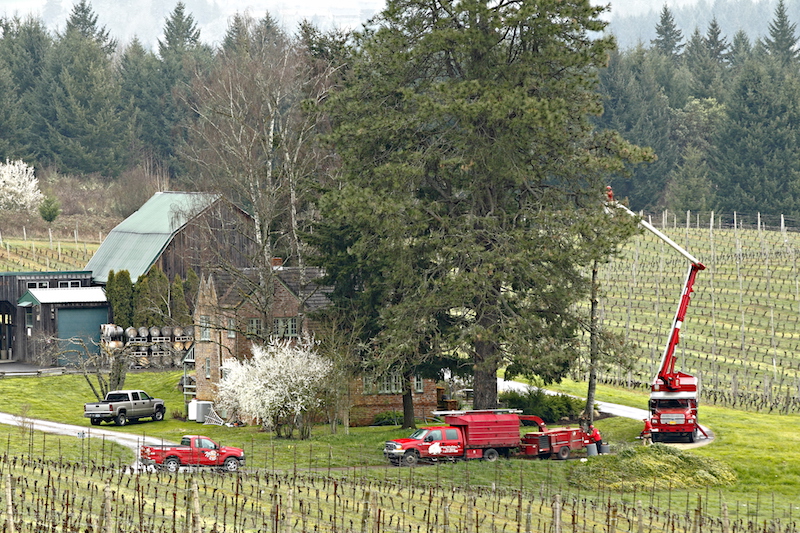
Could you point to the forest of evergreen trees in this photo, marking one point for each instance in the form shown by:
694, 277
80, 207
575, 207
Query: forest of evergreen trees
719, 111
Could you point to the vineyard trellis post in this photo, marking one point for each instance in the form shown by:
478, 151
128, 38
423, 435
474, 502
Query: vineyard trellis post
557, 513
10, 504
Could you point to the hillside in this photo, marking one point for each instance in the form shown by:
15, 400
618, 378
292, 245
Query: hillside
741, 335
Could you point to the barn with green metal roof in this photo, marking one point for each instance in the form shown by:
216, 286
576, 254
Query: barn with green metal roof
176, 231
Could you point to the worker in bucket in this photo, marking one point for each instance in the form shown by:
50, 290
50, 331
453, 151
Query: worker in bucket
647, 432
594, 436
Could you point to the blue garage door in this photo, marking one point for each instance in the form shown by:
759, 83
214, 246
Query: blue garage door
83, 324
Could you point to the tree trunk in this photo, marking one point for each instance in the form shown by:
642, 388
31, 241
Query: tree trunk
484, 383
587, 418
119, 370
408, 401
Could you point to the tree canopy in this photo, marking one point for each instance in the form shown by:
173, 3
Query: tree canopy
470, 174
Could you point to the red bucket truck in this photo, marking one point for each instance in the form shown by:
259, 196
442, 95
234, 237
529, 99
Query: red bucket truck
484, 434
673, 394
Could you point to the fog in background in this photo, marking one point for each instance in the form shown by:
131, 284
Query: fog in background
631, 21
634, 21
145, 18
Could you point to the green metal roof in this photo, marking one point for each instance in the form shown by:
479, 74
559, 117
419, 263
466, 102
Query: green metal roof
137, 242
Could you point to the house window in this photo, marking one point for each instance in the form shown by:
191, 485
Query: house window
38, 284
391, 383
285, 327
255, 326
69, 284
231, 328
208, 368
205, 328
223, 373
29, 317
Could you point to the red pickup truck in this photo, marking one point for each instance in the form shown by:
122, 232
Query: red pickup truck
194, 450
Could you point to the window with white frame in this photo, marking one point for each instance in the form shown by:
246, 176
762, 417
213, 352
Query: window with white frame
208, 368
38, 284
391, 383
69, 284
205, 328
231, 328
285, 327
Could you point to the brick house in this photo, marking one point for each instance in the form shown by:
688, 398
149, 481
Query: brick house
225, 316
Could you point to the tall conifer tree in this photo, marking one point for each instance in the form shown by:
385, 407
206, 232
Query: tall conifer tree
668, 35
470, 176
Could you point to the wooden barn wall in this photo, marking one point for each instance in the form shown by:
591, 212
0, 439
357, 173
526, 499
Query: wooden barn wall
222, 235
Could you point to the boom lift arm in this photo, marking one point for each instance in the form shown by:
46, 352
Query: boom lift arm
667, 375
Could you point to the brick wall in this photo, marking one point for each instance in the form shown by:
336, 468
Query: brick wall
366, 406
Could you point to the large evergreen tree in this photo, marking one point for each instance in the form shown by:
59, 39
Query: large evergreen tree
782, 41
23, 48
145, 90
470, 168
78, 109
756, 163
181, 54
668, 35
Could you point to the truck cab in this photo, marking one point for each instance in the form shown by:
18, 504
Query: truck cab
433, 443
673, 415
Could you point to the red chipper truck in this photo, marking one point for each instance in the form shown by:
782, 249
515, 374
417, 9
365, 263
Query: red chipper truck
673, 394
484, 434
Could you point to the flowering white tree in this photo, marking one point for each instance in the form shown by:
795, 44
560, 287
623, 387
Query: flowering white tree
19, 188
277, 386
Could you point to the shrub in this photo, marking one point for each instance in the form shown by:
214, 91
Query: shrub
388, 418
551, 408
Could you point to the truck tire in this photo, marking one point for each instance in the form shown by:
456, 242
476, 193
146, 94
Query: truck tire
121, 419
95, 421
692, 436
172, 464
563, 452
158, 416
410, 458
231, 464
490, 455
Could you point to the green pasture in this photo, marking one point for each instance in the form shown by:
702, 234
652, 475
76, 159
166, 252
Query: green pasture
760, 448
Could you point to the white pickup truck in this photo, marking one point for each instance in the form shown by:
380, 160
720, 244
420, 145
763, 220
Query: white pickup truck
119, 406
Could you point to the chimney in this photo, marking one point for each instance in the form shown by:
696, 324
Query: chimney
277, 262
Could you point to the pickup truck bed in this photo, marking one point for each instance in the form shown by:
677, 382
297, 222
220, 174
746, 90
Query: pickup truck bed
194, 450
124, 405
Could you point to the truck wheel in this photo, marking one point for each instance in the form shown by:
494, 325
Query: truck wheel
172, 464
692, 436
158, 416
410, 458
231, 464
490, 455
95, 421
121, 419
563, 452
